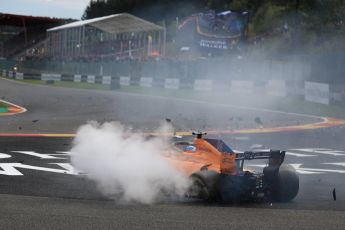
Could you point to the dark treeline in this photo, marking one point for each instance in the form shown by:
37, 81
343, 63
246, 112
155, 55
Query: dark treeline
311, 25
311, 14
153, 10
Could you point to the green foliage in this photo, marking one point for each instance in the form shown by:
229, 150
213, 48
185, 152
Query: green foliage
314, 25
155, 10
268, 16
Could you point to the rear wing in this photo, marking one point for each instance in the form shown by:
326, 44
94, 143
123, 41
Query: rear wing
275, 157
261, 154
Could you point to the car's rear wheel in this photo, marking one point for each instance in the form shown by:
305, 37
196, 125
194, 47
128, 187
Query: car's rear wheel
284, 184
204, 185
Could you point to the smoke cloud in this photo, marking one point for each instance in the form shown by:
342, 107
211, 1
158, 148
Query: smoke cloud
126, 166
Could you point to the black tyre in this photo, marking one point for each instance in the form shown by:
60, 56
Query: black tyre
204, 185
285, 186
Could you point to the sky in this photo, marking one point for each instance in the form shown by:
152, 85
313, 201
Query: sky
51, 8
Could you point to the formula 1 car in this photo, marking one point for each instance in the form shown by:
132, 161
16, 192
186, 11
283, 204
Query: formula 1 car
217, 173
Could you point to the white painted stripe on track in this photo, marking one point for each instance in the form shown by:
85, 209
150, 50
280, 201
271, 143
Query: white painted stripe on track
22, 108
299, 154
324, 151
337, 163
302, 170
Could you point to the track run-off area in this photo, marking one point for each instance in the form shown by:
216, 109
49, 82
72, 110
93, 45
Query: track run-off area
40, 188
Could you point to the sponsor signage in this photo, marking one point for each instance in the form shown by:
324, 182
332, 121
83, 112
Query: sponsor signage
172, 83
106, 80
146, 82
317, 92
77, 78
203, 85
91, 79
50, 77
217, 44
242, 86
125, 81
276, 88
19, 76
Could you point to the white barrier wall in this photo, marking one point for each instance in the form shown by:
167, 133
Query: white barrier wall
77, 78
11, 74
106, 80
172, 83
242, 86
146, 82
203, 85
276, 88
125, 81
50, 77
317, 92
19, 76
91, 79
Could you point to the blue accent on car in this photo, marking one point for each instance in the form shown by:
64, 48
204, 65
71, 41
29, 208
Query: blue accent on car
190, 148
220, 145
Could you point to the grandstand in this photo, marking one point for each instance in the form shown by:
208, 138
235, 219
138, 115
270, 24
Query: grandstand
112, 37
24, 34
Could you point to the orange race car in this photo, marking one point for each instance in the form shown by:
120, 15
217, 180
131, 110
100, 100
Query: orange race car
218, 173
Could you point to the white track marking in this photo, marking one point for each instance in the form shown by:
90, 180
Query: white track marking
22, 108
298, 167
321, 151
39, 155
302, 170
4, 156
241, 138
338, 164
62, 153
68, 167
299, 154
9, 169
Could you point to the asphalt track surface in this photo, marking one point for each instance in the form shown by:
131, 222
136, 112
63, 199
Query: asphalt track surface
38, 199
62, 110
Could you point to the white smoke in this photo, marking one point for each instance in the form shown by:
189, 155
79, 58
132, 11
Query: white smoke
126, 166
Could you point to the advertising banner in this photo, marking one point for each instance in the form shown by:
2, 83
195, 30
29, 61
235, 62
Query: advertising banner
317, 92
172, 83
203, 85
242, 87
146, 82
276, 88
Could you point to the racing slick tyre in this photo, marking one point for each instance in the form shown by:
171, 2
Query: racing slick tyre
204, 185
285, 185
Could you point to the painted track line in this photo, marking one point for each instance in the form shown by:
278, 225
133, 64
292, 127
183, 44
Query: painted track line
14, 109
326, 123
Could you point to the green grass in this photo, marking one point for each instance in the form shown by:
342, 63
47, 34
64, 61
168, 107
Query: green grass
225, 98
3, 107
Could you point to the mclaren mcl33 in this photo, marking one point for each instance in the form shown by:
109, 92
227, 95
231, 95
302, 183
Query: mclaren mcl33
217, 173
